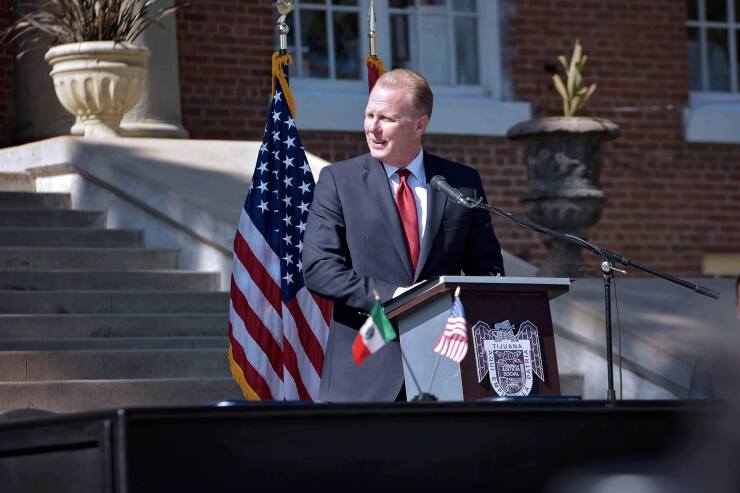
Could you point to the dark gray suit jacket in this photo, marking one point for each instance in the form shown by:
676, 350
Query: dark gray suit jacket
354, 244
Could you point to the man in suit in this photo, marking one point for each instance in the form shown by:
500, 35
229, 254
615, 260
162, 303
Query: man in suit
376, 224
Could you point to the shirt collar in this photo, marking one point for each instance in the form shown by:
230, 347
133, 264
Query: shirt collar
416, 167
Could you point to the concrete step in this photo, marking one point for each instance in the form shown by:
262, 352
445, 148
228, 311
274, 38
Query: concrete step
112, 325
37, 366
90, 395
50, 218
98, 343
17, 182
86, 258
35, 199
144, 280
71, 237
60, 302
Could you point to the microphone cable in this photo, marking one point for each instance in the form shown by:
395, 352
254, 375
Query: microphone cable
619, 336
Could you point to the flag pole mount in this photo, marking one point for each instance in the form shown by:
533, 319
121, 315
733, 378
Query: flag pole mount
284, 7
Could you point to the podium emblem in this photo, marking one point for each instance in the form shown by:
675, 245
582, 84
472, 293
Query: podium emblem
509, 357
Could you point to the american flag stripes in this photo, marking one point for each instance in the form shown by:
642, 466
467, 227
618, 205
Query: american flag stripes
453, 342
277, 328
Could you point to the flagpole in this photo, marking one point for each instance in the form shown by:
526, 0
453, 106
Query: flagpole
284, 7
439, 354
374, 64
281, 58
421, 395
434, 372
413, 377
371, 29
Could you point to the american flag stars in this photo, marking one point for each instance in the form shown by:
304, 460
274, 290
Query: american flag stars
274, 190
277, 328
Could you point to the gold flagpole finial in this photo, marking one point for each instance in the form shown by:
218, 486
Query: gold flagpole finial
376, 295
371, 28
284, 7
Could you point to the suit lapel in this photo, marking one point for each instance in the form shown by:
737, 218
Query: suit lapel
435, 209
380, 196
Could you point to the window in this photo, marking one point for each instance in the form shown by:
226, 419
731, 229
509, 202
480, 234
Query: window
329, 39
454, 43
713, 40
713, 34
438, 38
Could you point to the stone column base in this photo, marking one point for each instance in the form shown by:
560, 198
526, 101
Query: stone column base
152, 129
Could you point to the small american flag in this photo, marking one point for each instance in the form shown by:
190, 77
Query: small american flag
277, 328
453, 342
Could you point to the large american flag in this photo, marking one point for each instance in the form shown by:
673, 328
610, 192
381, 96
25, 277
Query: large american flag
453, 341
277, 328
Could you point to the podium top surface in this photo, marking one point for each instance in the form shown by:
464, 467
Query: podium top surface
554, 286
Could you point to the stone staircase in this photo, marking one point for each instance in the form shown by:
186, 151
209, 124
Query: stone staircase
91, 319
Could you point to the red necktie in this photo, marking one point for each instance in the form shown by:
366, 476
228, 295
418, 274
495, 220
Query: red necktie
407, 210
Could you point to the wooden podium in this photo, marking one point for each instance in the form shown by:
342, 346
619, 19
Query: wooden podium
420, 315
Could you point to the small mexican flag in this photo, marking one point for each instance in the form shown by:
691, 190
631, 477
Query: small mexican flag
373, 334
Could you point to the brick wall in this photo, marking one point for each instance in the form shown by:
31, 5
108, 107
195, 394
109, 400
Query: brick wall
224, 49
668, 202
6, 79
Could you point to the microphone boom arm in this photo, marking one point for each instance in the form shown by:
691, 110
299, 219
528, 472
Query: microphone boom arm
608, 255
440, 184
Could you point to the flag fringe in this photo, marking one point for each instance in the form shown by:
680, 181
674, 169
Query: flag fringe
238, 375
375, 69
278, 61
376, 62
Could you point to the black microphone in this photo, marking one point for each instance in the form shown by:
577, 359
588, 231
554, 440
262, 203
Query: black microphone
439, 183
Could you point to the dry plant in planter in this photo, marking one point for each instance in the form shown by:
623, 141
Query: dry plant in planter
98, 70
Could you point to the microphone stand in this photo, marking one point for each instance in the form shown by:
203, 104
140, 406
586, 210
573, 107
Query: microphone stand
607, 268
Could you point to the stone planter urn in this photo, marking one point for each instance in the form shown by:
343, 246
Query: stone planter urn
99, 82
563, 158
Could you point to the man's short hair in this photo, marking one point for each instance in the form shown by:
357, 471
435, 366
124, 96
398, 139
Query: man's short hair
422, 98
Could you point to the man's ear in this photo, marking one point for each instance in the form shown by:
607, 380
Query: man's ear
422, 123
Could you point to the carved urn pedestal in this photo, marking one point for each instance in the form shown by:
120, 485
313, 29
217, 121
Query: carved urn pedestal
563, 158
